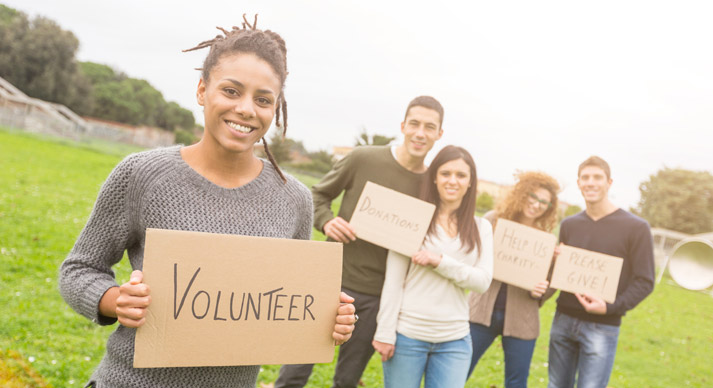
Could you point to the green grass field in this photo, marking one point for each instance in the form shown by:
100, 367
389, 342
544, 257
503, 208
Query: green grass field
47, 188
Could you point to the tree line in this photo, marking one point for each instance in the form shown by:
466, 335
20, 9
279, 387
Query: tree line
678, 199
39, 58
675, 199
320, 162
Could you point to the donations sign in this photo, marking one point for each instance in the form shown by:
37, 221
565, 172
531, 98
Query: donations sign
581, 271
219, 300
391, 219
522, 255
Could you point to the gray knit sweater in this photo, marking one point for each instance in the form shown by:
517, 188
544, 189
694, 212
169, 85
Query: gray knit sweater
157, 189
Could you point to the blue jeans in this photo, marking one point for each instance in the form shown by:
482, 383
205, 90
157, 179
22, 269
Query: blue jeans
445, 364
518, 352
577, 345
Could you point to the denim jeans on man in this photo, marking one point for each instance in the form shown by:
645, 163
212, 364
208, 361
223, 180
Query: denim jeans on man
445, 364
518, 352
581, 349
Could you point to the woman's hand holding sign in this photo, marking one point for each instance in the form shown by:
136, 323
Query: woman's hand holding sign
540, 289
346, 318
128, 302
425, 258
558, 250
134, 298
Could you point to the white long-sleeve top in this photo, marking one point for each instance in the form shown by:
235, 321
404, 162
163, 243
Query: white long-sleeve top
431, 304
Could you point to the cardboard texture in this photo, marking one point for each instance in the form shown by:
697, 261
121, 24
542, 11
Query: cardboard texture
581, 271
219, 300
391, 219
522, 255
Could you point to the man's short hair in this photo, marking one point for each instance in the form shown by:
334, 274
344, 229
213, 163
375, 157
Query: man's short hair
426, 102
596, 162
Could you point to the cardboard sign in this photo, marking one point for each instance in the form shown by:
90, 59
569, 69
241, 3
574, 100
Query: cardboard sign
522, 255
391, 219
581, 271
219, 300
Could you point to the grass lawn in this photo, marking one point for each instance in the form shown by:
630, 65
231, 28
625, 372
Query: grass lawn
47, 189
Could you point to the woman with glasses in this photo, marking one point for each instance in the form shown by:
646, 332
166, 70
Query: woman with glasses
507, 310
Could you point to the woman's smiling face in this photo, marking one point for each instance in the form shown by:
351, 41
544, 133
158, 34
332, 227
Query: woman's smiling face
537, 204
239, 100
453, 181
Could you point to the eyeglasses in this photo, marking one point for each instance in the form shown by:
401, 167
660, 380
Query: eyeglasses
535, 199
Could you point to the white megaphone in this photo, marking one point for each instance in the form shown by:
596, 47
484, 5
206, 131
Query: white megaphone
691, 263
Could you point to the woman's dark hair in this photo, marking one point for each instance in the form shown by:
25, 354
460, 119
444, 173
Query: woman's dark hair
266, 45
465, 214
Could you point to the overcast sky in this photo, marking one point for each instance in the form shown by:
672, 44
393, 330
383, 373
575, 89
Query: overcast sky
525, 85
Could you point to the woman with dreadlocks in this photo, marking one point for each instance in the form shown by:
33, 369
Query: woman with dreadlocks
216, 185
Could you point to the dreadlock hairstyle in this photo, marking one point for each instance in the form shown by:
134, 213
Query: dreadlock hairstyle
467, 228
518, 197
266, 45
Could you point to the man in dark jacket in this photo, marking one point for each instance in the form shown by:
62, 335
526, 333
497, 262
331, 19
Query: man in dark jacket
585, 329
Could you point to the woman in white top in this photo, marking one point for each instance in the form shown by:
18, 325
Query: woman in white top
422, 325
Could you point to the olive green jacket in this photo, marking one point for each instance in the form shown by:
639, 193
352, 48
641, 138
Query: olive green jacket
364, 263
